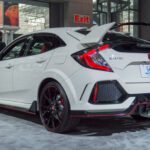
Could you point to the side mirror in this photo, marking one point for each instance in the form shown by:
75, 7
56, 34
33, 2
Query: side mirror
2, 45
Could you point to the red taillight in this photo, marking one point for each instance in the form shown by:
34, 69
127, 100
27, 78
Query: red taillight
103, 47
92, 59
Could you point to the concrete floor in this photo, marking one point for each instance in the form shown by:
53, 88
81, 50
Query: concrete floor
23, 132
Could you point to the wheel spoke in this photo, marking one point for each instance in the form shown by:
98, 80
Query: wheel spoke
52, 107
49, 120
46, 97
45, 107
53, 123
61, 108
58, 118
49, 93
45, 112
58, 97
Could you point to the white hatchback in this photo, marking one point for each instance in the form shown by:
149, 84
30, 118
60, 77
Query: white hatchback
69, 73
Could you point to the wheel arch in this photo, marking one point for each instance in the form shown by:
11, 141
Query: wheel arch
66, 84
43, 83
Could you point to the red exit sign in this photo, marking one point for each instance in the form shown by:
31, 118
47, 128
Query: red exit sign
82, 19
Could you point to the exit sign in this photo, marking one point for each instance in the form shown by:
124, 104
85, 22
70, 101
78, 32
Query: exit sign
84, 19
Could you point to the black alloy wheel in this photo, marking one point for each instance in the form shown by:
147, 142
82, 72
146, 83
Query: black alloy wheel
54, 109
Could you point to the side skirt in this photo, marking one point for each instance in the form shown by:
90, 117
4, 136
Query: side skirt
31, 111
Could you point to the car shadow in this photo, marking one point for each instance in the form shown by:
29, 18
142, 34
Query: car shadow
92, 127
109, 126
21, 115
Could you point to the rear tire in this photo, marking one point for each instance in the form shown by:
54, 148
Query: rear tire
54, 109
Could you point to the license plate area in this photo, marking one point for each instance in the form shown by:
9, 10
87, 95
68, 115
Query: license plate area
145, 71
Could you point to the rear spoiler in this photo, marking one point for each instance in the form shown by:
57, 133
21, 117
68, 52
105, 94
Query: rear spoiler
97, 33
95, 36
130, 23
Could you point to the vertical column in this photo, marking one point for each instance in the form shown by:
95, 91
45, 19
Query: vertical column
78, 13
5, 37
57, 14
109, 11
144, 16
8, 36
71, 13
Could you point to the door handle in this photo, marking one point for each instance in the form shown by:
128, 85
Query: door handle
9, 66
40, 61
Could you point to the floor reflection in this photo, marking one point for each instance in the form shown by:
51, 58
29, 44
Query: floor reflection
93, 127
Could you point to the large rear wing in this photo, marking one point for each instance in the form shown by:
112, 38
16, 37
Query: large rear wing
130, 23
95, 35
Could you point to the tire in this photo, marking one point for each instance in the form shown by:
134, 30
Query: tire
54, 109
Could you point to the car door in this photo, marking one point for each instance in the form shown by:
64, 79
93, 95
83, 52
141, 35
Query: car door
8, 56
28, 72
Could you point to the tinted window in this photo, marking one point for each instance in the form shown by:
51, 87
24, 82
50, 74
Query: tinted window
121, 38
83, 31
15, 51
124, 43
43, 43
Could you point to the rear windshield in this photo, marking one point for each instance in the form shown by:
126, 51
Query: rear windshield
121, 38
124, 43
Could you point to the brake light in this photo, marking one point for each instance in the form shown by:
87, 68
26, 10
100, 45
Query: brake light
103, 47
92, 59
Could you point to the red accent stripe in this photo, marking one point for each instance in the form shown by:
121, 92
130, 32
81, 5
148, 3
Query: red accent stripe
95, 93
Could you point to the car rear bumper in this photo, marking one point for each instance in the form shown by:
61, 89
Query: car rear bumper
93, 114
84, 82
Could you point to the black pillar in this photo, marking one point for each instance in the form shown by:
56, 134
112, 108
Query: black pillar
56, 14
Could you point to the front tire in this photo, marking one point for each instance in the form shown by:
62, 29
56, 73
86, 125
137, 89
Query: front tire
54, 109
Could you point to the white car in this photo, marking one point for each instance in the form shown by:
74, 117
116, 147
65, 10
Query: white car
69, 73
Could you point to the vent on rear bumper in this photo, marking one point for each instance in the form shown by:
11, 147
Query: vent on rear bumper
107, 92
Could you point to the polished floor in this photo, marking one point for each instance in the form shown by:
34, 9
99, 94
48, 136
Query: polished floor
19, 131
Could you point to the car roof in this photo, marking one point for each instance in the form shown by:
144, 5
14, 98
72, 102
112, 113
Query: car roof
58, 31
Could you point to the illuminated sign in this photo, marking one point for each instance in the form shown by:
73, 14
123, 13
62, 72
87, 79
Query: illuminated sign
84, 19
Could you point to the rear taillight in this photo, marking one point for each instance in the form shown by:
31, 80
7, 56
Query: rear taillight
92, 59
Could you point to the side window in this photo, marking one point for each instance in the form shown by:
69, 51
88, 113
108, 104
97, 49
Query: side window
43, 43
15, 51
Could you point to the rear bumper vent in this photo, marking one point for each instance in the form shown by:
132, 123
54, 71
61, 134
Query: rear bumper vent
107, 92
